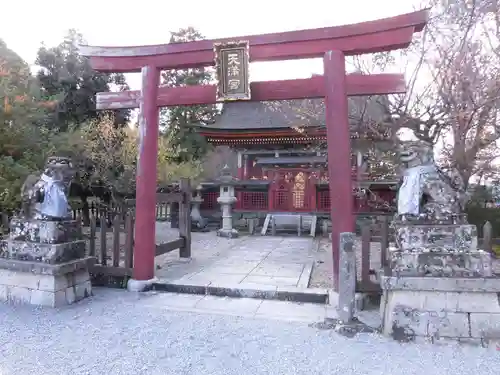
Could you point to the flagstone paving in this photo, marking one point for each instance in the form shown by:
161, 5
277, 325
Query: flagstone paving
256, 260
253, 260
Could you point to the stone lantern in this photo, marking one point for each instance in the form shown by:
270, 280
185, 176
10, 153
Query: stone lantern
226, 199
198, 222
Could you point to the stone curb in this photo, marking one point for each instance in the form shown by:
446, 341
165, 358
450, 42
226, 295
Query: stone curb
267, 292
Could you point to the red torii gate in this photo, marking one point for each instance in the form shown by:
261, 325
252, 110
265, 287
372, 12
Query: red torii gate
331, 43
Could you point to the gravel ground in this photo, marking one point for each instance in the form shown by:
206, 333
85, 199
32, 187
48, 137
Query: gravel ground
117, 332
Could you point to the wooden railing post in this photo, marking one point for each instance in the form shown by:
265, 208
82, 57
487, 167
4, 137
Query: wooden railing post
92, 238
103, 232
129, 241
365, 253
116, 240
185, 218
384, 241
488, 237
168, 211
174, 215
5, 222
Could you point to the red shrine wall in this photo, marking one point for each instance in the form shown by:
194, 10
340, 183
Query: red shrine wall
250, 170
290, 189
247, 169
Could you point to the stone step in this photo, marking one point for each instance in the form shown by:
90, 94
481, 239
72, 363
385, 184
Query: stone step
290, 222
242, 290
266, 224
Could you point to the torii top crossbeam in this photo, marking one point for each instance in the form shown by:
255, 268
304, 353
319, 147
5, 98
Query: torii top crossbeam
355, 39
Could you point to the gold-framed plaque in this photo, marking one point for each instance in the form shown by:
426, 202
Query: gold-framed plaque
232, 70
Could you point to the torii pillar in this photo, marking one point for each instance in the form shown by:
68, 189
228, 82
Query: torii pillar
147, 166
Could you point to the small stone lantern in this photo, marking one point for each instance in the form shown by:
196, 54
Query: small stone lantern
198, 222
226, 199
196, 202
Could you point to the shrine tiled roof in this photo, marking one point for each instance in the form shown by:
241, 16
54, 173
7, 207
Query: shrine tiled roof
241, 115
251, 115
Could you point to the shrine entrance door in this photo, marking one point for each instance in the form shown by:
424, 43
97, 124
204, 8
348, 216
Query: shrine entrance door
291, 190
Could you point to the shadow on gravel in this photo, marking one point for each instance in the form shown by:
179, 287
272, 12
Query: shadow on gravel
350, 329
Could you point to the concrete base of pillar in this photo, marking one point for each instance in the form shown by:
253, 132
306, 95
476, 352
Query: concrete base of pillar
228, 233
140, 285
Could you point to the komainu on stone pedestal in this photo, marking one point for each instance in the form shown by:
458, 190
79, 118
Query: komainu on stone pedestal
425, 190
438, 283
43, 261
45, 197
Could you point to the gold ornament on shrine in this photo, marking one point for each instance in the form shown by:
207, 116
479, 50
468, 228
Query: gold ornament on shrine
232, 68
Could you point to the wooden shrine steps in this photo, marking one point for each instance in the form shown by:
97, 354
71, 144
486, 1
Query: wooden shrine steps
289, 221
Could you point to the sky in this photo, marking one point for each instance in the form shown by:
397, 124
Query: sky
150, 21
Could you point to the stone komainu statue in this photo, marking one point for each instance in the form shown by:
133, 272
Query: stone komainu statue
425, 189
45, 197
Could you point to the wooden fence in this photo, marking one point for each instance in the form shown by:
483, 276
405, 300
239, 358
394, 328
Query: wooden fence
112, 261
114, 248
367, 278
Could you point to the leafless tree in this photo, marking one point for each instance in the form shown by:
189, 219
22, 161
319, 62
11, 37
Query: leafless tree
453, 97
453, 89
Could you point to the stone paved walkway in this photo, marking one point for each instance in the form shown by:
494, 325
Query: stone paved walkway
249, 260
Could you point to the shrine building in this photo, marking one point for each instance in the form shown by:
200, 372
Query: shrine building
278, 156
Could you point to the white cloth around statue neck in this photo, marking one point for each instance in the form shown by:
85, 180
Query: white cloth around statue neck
410, 192
55, 203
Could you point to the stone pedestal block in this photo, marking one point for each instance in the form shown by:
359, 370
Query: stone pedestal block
44, 241
463, 309
45, 284
45, 252
442, 237
43, 231
440, 262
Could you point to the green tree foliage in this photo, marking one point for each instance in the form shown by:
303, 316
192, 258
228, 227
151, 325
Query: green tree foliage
104, 153
107, 156
66, 78
23, 142
179, 123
